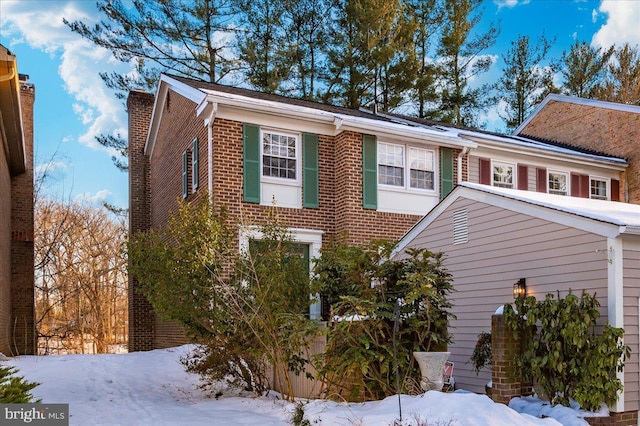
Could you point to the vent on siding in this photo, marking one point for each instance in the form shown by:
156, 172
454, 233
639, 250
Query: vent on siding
460, 227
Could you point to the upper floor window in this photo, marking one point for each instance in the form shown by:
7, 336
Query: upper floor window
280, 155
405, 167
503, 175
558, 183
598, 189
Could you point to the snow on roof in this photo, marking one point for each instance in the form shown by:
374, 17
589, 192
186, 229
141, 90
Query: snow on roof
616, 213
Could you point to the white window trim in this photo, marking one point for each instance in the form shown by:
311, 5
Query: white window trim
278, 180
312, 237
608, 186
514, 173
195, 165
559, 172
406, 170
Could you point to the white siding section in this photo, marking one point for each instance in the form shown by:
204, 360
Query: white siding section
503, 247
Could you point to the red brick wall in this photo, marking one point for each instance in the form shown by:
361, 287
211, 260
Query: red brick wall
340, 186
22, 321
603, 130
141, 317
5, 253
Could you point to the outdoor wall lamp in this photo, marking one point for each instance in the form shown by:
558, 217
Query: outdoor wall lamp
520, 289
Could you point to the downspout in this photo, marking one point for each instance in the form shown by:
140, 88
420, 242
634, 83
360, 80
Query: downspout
209, 121
465, 151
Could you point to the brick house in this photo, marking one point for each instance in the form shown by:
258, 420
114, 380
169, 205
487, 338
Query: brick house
607, 127
17, 315
330, 170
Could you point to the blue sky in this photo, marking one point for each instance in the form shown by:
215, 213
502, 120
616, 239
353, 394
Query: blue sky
73, 105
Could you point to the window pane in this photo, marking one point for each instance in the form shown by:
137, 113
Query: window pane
278, 156
557, 183
599, 189
503, 175
390, 164
388, 175
421, 179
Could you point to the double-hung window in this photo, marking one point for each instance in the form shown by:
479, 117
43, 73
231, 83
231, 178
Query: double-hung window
405, 167
503, 175
558, 183
280, 156
598, 188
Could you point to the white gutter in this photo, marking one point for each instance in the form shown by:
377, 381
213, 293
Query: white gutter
337, 120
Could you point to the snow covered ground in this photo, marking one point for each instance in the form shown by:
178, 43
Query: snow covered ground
152, 388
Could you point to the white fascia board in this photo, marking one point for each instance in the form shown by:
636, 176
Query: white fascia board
340, 122
268, 107
448, 138
525, 146
165, 84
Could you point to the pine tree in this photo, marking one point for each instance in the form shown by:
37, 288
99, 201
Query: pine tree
14, 389
525, 80
261, 44
306, 27
429, 17
622, 80
461, 58
371, 59
184, 37
584, 68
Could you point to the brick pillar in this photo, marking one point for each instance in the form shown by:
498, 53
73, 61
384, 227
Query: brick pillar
22, 324
141, 315
507, 383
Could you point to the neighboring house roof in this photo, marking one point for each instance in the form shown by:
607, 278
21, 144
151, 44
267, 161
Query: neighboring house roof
206, 94
11, 134
607, 218
578, 101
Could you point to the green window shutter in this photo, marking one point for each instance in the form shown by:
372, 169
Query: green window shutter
446, 171
195, 165
251, 169
185, 174
310, 196
369, 172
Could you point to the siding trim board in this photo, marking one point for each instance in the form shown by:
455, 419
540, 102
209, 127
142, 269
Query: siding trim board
615, 301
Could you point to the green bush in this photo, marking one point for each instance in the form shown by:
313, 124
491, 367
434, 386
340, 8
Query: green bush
568, 355
368, 290
14, 389
248, 309
482, 355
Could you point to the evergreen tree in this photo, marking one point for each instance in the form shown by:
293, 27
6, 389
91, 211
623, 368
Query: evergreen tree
428, 16
306, 28
461, 59
525, 81
261, 44
372, 60
14, 389
622, 80
184, 37
584, 68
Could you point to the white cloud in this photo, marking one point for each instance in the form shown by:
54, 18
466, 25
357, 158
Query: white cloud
42, 28
510, 3
594, 16
50, 167
621, 25
98, 198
